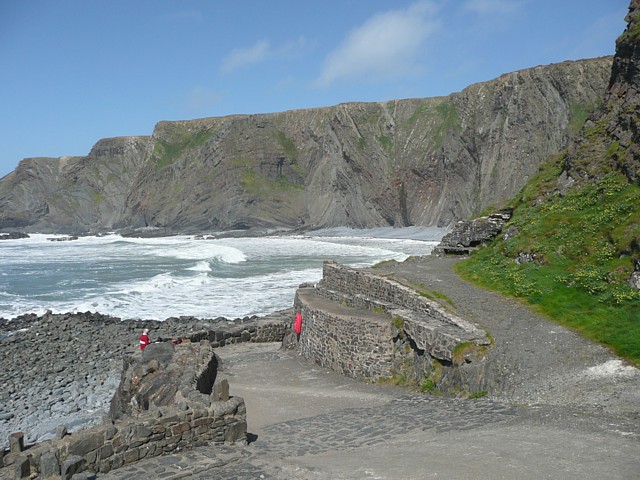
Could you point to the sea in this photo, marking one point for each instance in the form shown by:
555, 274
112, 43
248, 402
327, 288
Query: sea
162, 277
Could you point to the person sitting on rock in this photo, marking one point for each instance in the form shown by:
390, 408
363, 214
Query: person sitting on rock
144, 339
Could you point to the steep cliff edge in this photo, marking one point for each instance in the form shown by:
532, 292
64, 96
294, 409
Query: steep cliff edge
71, 194
612, 134
407, 162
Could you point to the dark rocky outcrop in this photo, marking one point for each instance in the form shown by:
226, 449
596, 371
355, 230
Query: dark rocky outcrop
63, 239
60, 369
165, 375
468, 235
429, 161
164, 404
13, 236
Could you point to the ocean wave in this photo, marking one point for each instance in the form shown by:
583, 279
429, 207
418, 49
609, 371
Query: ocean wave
163, 277
203, 266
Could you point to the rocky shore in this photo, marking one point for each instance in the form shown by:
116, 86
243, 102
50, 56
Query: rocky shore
61, 370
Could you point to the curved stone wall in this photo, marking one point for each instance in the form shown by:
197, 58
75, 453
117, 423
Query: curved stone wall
370, 326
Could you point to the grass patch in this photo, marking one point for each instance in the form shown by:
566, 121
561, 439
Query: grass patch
387, 144
439, 116
287, 145
480, 394
265, 187
585, 245
97, 197
579, 114
428, 386
177, 141
398, 322
397, 379
383, 263
431, 294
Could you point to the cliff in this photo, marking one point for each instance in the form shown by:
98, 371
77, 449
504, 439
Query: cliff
611, 137
428, 161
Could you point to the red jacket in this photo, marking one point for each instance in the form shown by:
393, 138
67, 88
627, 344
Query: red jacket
144, 341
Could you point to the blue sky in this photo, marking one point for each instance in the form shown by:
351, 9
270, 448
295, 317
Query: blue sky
75, 71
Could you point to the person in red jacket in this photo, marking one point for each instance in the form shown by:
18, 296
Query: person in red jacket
144, 339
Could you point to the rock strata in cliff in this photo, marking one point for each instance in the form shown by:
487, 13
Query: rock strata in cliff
429, 161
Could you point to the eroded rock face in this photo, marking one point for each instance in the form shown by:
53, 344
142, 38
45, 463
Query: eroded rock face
429, 161
165, 375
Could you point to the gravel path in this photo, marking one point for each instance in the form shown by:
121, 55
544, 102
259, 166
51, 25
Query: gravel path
535, 361
307, 422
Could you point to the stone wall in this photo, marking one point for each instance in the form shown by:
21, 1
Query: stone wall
339, 338
370, 326
257, 332
110, 446
159, 412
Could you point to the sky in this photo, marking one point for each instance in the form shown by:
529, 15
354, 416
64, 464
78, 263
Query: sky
75, 71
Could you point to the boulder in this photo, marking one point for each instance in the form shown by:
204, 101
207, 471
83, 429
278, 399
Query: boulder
468, 235
13, 236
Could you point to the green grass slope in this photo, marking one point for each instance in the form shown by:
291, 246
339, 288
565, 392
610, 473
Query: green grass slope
581, 249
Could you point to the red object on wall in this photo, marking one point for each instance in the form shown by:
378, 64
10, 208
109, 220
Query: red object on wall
297, 323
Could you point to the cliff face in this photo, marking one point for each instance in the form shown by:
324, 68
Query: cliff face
404, 162
612, 134
71, 194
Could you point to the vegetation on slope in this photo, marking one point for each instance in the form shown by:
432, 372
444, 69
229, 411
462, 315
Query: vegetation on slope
574, 239
576, 252
178, 139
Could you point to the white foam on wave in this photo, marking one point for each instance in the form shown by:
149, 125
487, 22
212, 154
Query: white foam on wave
187, 249
203, 266
164, 282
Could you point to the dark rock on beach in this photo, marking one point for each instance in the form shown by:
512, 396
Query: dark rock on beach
13, 236
63, 239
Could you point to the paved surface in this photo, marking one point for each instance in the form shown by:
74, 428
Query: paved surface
306, 422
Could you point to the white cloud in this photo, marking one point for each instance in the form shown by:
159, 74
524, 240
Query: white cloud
293, 48
260, 52
385, 46
241, 57
484, 7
